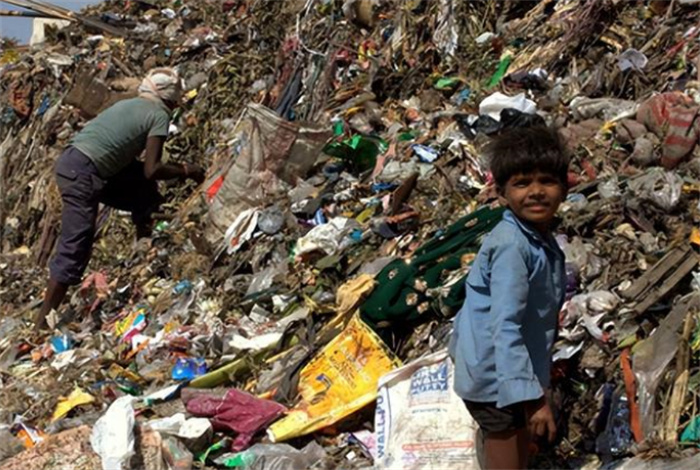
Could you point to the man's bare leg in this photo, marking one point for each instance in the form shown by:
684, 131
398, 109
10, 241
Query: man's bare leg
55, 293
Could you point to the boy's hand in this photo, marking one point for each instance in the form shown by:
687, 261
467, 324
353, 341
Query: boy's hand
541, 419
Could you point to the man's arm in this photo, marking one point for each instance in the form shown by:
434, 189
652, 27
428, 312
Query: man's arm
154, 169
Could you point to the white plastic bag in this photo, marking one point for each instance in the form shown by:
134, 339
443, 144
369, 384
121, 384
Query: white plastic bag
327, 238
494, 104
420, 422
112, 436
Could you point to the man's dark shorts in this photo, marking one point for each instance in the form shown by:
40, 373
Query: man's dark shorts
492, 419
82, 190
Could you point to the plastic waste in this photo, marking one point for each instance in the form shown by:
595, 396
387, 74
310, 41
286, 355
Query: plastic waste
691, 433
447, 83
446, 34
183, 287
266, 278
461, 97
609, 188
76, 398
642, 463
582, 258
271, 220
651, 358
359, 152
492, 105
425, 154
483, 38
327, 238
273, 457
168, 425
28, 435
339, 380
663, 188
420, 422
260, 333
133, 324
500, 72
61, 343
589, 309
176, 455
112, 436
512, 118
196, 433
532, 80
610, 109
616, 439
189, 368
632, 59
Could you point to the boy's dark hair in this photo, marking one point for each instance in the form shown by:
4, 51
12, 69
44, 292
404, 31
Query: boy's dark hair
527, 149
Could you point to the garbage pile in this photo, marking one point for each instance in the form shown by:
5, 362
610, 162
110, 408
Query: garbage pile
293, 311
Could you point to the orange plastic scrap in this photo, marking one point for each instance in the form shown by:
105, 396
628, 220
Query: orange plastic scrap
631, 391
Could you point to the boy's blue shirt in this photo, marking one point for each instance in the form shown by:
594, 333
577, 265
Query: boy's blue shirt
505, 331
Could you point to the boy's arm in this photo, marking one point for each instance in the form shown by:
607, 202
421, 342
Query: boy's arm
517, 381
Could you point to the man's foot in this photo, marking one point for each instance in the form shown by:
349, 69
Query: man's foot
55, 293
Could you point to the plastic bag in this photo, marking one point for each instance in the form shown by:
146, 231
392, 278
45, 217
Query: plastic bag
632, 59
340, 380
76, 398
653, 356
327, 238
492, 105
580, 255
589, 309
663, 188
264, 279
609, 188
610, 109
420, 422
112, 437
274, 457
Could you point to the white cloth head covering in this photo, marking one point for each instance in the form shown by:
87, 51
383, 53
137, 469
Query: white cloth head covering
163, 83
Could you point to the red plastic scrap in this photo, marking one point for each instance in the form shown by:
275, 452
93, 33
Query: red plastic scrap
236, 411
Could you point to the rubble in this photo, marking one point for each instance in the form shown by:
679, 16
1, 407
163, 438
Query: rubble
345, 201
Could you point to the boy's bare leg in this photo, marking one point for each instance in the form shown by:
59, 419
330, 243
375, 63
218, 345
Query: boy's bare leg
506, 450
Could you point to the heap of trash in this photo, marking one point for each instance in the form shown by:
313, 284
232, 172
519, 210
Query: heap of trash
294, 310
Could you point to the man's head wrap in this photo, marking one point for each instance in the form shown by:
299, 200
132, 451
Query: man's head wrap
163, 83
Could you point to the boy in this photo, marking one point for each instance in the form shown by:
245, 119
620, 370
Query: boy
504, 333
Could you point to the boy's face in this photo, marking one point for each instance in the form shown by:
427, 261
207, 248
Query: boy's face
534, 197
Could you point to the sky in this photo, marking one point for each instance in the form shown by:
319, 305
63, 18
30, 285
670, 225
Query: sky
21, 28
